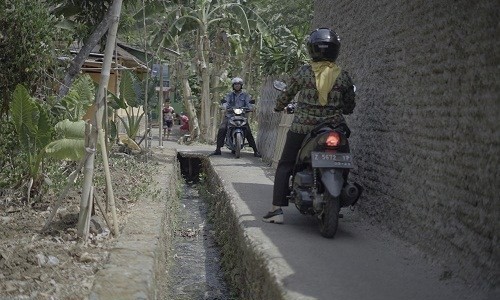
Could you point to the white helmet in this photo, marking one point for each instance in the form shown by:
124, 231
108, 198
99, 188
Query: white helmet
236, 80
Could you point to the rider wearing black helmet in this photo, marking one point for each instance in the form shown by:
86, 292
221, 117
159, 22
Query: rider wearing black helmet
327, 93
323, 45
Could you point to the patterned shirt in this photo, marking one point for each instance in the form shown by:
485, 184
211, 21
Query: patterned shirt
168, 113
308, 112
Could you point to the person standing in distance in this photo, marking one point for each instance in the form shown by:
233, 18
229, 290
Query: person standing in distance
327, 93
168, 119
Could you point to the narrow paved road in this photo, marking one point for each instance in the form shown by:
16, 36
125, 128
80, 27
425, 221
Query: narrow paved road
363, 261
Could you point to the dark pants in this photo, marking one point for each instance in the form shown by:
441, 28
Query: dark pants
221, 135
286, 164
285, 167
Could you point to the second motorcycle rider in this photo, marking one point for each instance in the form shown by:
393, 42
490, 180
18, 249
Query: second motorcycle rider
235, 99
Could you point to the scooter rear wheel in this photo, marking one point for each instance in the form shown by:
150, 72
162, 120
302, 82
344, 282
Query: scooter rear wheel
329, 218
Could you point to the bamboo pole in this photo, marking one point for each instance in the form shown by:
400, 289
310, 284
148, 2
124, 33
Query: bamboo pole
88, 174
92, 135
86, 230
109, 188
101, 208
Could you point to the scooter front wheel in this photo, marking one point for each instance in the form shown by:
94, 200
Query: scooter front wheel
329, 217
239, 142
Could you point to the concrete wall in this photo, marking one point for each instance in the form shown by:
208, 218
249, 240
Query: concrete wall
426, 127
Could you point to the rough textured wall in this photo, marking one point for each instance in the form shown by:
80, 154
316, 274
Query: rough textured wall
426, 126
268, 120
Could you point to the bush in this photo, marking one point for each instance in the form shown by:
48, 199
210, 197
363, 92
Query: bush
28, 38
13, 162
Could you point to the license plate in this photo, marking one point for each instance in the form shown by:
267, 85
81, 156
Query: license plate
331, 160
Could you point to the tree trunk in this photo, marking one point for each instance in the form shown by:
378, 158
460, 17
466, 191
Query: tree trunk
77, 63
205, 86
247, 70
215, 109
191, 110
219, 64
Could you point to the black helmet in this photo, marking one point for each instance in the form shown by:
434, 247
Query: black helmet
323, 44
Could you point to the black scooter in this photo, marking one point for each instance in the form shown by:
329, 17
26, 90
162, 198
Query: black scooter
318, 185
236, 130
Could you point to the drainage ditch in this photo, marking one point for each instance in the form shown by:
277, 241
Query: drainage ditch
245, 270
194, 268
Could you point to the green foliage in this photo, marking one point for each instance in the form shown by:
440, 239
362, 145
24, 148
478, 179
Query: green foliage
133, 122
79, 99
33, 130
116, 102
284, 51
72, 144
12, 162
131, 91
131, 98
71, 131
31, 121
294, 13
28, 42
82, 16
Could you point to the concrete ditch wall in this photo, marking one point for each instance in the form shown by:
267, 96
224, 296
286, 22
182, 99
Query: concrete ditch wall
426, 133
246, 271
137, 264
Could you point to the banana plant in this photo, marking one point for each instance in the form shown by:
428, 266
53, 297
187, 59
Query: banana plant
34, 131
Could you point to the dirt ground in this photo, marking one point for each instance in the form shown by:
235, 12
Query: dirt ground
56, 264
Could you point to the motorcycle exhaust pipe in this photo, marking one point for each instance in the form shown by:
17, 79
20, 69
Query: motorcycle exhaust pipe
350, 194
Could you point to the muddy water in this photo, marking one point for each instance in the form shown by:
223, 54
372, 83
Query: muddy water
194, 270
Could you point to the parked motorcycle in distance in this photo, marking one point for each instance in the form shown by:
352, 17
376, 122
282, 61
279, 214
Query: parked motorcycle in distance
236, 130
318, 184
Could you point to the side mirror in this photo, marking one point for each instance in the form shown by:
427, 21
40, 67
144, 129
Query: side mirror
279, 85
252, 101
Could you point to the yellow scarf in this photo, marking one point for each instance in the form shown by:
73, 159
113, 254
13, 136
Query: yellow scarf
325, 72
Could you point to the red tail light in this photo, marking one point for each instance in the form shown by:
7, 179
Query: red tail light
333, 139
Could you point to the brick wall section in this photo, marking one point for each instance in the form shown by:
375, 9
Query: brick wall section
426, 127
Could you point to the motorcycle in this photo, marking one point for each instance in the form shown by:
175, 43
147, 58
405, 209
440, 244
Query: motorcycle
236, 130
318, 184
